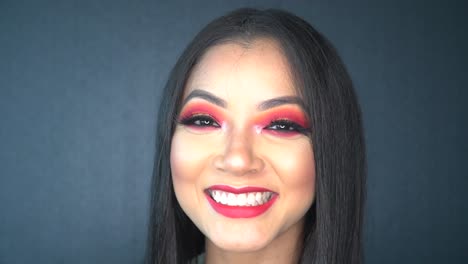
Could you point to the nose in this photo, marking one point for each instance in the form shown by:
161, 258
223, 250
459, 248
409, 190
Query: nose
238, 157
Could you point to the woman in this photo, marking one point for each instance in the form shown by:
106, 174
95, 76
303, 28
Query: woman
260, 148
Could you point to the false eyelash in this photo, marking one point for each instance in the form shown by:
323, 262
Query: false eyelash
286, 122
189, 120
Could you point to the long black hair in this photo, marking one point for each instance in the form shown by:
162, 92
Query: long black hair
333, 225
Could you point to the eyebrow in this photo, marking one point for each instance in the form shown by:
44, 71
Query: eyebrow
270, 103
206, 96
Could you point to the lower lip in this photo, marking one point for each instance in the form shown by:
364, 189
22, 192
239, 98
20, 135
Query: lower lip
240, 211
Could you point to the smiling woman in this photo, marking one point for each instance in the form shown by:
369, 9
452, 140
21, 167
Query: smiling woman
261, 154
243, 172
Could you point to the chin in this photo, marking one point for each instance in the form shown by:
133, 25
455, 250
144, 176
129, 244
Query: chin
240, 243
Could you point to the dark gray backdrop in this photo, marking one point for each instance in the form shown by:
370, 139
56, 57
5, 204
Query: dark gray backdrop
79, 85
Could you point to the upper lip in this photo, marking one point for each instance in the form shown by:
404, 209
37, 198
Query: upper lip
235, 190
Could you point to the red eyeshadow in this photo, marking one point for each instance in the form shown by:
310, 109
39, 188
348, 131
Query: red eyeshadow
192, 110
288, 113
200, 108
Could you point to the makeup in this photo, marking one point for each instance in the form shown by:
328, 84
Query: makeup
201, 116
260, 148
282, 121
244, 202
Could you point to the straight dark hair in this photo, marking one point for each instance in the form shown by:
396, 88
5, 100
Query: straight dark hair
333, 225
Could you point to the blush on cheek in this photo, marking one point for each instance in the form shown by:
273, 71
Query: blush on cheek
175, 167
181, 165
299, 167
188, 154
304, 179
178, 159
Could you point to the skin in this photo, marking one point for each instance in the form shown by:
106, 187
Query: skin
240, 150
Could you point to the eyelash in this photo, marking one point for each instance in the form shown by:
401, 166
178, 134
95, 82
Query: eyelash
286, 126
199, 121
279, 125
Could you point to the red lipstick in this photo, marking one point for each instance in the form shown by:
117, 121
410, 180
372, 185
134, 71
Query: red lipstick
236, 211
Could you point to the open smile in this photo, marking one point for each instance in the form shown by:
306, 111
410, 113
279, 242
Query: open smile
245, 202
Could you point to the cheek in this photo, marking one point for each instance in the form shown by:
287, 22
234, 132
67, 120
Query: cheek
295, 166
189, 159
186, 169
180, 161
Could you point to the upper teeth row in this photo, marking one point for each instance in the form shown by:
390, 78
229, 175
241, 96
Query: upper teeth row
242, 199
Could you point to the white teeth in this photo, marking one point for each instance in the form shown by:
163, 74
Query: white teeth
243, 199
251, 198
222, 197
232, 199
258, 197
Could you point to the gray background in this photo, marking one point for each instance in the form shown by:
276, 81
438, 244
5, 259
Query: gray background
79, 86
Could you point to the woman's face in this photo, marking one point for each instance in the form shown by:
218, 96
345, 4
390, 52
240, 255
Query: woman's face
242, 163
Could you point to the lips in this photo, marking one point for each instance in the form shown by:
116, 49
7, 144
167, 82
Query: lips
244, 202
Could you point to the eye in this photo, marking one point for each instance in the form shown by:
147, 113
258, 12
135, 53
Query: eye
199, 121
286, 126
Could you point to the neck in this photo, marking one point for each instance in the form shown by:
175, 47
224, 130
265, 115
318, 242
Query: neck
286, 248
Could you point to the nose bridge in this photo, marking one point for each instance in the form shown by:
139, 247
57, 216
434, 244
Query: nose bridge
238, 147
239, 155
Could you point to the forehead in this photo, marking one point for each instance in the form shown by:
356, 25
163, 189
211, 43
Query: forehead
259, 70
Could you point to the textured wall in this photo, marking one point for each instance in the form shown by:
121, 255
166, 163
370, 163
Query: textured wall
79, 86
